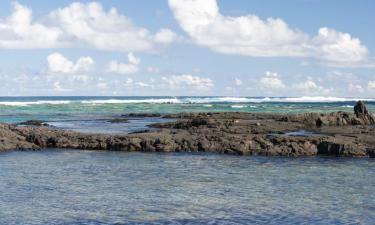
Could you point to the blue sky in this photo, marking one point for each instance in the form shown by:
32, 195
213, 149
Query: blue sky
188, 47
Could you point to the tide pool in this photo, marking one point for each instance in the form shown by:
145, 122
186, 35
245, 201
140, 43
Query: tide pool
97, 187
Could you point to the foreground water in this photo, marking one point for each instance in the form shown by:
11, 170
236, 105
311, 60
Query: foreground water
86, 187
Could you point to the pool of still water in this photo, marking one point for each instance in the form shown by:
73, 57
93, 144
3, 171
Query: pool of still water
97, 187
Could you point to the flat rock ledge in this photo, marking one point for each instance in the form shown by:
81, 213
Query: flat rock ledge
333, 134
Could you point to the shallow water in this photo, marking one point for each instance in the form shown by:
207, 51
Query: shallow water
91, 114
17, 109
104, 126
93, 187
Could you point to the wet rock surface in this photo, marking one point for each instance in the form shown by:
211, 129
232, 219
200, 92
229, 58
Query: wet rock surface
119, 120
335, 134
33, 123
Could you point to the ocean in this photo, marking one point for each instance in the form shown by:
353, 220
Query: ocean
91, 113
66, 186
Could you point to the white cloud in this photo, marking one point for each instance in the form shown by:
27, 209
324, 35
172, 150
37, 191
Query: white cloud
356, 88
271, 81
142, 84
57, 63
153, 69
188, 81
84, 64
310, 87
339, 47
102, 85
124, 68
58, 88
79, 24
165, 36
371, 85
107, 30
251, 36
18, 31
238, 82
128, 82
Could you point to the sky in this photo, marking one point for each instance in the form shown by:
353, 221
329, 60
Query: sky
251, 48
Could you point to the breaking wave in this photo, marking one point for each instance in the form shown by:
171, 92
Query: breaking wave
207, 101
22, 103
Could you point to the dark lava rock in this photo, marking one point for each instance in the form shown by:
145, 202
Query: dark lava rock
227, 133
33, 123
363, 116
119, 120
360, 117
142, 115
360, 108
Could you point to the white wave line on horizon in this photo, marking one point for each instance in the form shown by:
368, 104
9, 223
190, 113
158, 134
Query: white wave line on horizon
189, 100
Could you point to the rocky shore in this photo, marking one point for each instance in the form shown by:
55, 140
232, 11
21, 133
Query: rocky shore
334, 134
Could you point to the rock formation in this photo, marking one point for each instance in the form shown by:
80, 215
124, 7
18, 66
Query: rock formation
361, 116
228, 133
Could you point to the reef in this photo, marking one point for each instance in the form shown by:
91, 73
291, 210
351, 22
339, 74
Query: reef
309, 134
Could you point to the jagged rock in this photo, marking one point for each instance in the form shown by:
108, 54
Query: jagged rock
361, 116
360, 108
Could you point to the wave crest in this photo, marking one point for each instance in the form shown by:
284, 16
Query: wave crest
186, 100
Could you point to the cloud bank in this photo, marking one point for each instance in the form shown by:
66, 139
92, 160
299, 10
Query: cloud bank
252, 36
79, 24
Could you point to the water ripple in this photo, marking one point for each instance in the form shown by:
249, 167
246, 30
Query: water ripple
87, 187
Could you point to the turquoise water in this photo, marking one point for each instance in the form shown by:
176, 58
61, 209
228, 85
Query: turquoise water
92, 187
17, 109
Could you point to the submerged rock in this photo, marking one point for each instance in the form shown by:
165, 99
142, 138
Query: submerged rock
33, 123
142, 115
119, 120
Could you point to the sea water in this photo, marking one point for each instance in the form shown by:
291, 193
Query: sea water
97, 187
92, 113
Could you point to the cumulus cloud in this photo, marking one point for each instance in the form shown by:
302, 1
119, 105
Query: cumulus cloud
79, 24
271, 81
165, 36
251, 36
124, 68
107, 30
238, 82
57, 63
18, 31
310, 87
188, 81
356, 88
371, 85
339, 47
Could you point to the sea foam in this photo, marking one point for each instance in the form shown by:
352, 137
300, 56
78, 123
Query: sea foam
207, 101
